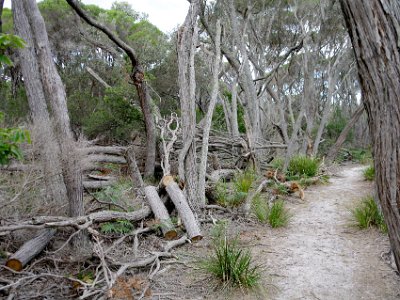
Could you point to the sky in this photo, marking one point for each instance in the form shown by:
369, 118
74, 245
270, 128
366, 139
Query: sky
165, 14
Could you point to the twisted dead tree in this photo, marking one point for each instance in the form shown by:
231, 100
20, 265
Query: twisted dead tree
138, 78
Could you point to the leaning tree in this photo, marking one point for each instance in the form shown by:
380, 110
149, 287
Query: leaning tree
374, 28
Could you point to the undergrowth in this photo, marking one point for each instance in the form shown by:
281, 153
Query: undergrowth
303, 166
367, 214
278, 215
369, 173
230, 263
119, 227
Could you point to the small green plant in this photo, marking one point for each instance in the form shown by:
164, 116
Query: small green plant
369, 173
119, 226
278, 215
367, 214
10, 139
303, 166
280, 189
260, 209
243, 181
278, 163
222, 193
232, 264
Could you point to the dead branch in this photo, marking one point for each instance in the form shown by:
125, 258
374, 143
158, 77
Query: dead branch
168, 137
37, 223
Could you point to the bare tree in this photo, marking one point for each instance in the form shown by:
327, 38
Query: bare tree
138, 78
374, 30
49, 90
186, 47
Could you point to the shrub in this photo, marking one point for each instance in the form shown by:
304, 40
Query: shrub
367, 214
260, 209
303, 166
278, 163
232, 264
278, 215
119, 226
369, 173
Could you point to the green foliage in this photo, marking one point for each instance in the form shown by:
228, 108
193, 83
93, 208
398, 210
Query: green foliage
114, 118
241, 186
369, 173
336, 125
363, 156
278, 215
9, 41
119, 193
278, 163
303, 166
10, 139
230, 263
260, 208
367, 214
243, 181
119, 227
218, 120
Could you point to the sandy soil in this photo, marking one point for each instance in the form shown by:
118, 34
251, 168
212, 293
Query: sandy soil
320, 255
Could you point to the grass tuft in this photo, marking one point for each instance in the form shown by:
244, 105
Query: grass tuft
367, 214
260, 209
232, 265
369, 173
278, 215
243, 181
303, 166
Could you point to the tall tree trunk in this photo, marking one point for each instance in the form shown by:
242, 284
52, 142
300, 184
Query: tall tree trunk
137, 75
187, 42
208, 118
375, 32
234, 120
343, 135
43, 135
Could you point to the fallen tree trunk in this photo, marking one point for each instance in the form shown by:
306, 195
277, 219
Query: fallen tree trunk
160, 212
179, 200
134, 169
225, 174
97, 184
113, 150
41, 222
30, 249
250, 197
106, 159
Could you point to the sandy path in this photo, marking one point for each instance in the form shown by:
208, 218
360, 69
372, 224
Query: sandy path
320, 256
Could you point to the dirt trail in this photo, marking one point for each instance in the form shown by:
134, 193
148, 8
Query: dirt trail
320, 255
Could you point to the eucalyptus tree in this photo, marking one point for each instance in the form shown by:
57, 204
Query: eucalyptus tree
374, 31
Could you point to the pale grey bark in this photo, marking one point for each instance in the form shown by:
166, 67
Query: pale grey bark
187, 42
374, 28
208, 118
43, 136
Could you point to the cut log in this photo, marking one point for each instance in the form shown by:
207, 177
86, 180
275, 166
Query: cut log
104, 150
96, 184
30, 249
101, 177
106, 159
134, 169
160, 212
186, 214
226, 174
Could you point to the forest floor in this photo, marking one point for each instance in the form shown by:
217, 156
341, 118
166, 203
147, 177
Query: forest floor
319, 255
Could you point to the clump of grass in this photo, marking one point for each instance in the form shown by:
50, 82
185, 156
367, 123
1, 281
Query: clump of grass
369, 173
367, 214
278, 163
232, 264
303, 166
260, 209
243, 181
278, 215
222, 193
